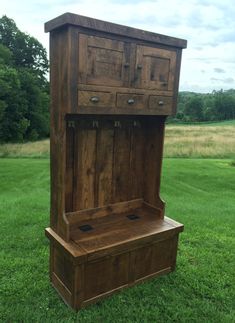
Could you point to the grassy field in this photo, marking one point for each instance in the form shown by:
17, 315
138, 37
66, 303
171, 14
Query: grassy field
206, 140
199, 193
215, 140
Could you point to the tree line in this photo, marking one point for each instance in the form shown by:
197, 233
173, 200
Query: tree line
24, 90
215, 106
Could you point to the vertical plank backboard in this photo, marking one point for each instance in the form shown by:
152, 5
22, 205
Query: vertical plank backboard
104, 165
121, 164
84, 167
137, 160
154, 137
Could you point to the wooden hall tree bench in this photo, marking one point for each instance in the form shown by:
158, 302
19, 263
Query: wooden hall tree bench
112, 88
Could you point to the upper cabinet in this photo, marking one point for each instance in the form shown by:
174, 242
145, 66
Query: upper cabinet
112, 69
110, 62
155, 68
103, 61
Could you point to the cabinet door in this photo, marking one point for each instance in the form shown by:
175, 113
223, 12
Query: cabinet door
155, 68
103, 61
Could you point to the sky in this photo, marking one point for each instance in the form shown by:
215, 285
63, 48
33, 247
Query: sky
208, 63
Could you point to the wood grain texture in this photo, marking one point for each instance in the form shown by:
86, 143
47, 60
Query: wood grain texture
137, 157
99, 212
155, 68
115, 232
85, 158
59, 98
121, 164
104, 99
104, 166
111, 88
95, 24
69, 178
154, 136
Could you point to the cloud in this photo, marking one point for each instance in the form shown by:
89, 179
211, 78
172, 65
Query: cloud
229, 80
227, 36
208, 25
219, 70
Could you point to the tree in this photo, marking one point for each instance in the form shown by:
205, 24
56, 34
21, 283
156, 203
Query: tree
224, 104
26, 50
24, 96
194, 108
13, 124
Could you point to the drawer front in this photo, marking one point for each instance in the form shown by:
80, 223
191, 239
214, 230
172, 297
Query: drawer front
131, 101
96, 99
161, 104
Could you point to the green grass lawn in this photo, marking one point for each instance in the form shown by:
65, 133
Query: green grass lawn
199, 193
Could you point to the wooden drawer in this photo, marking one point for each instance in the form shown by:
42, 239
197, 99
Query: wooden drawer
96, 99
131, 101
161, 104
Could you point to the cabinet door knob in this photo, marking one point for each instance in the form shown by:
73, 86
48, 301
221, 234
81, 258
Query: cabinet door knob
126, 65
160, 102
139, 66
94, 99
131, 101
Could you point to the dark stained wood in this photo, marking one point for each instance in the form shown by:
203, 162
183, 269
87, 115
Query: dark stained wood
69, 179
137, 160
85, 158
177, 78
110, 273
114, 231
99, 212
114, 101
155, 68
121, 163
153, 161
151, 259
104, 166
96, 99
59, 96
103, 61
133, 101
111, 89
95, 24
161, 104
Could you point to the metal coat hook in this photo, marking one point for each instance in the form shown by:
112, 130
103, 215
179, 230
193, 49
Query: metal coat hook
117, 124
71, 124
136, 124
95, 124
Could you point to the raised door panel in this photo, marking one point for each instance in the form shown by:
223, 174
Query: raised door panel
103, 61
106, 275
151, 259
155, 68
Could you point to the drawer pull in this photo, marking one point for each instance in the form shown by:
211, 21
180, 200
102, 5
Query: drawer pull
94, 99
126, 65
131, 101
139, 66
160, 102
